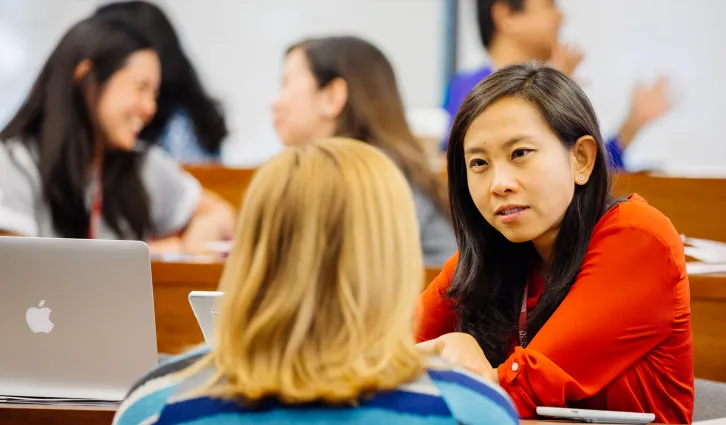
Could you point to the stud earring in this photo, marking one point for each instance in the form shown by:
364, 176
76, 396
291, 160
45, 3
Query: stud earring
581, 178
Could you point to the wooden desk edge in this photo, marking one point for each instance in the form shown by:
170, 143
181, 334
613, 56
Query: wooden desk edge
59, 407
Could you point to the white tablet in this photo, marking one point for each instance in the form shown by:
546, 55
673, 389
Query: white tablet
205, 307
596, 416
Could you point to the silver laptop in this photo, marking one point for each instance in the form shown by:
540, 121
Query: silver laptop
205, 305
76, 318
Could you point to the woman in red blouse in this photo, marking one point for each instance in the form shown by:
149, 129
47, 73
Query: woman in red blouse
563, 295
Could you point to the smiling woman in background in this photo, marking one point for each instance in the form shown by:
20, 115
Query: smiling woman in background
316, 319
70, 163
344, 86
188, 124
559, 293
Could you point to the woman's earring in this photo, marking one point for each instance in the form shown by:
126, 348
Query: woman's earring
581, 178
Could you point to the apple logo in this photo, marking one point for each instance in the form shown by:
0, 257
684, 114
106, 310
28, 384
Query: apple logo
38, 318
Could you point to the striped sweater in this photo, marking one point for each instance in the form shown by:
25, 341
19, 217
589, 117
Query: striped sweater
443, 395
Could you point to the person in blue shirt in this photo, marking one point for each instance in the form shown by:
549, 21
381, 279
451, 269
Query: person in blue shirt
316, 324
189, 124
517, 31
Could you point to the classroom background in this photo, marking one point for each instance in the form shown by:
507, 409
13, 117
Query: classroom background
238, 48
677, 162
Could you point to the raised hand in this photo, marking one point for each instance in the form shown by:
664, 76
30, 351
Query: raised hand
566, 58
648, 103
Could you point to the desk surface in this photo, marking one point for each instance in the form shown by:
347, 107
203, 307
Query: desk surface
15, 414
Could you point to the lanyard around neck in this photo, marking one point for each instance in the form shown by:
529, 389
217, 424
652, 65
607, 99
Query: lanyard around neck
96, 208
523, 319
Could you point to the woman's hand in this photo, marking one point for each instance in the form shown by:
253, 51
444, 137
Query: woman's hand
649, 102
213, 221
462, 350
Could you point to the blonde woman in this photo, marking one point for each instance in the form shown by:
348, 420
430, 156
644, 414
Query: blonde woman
316, 324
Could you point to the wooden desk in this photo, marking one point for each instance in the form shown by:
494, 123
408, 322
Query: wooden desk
695, 206
708, 319
679, 198
176, 327
14, 414
18, 414
229, 183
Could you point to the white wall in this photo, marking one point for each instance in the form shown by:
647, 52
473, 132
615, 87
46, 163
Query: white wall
237, 46
630, 40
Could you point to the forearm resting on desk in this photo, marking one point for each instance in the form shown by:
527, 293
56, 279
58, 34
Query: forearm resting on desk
213, 220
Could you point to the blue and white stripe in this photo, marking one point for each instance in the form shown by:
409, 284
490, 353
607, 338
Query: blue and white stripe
444, 395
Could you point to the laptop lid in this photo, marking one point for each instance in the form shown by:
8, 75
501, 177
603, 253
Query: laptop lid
205, 307
76, 317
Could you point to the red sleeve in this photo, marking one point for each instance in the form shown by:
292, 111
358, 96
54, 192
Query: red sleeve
435, 313
621, 306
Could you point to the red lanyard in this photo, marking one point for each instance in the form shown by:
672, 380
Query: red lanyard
523, 319
96, 208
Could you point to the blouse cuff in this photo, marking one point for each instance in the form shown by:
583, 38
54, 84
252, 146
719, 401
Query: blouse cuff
510, 373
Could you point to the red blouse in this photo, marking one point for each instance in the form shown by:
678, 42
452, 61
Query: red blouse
620, 340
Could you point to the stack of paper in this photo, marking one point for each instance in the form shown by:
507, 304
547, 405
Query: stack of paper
710, 254
175, 257
705, 268
705, 250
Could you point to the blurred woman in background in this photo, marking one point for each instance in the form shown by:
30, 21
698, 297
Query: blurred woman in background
189, 124
344, 86
70, 163
316, 322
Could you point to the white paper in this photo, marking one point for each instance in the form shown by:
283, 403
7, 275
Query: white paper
704, 250
705, 268
222, 247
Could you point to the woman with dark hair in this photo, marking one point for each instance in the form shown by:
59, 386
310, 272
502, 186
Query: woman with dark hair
189, 124
70, 164
561, 294
344, 86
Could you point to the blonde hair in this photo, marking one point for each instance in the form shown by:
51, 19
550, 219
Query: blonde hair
320, 286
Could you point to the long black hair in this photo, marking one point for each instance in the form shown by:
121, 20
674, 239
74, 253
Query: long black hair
55, 122
491, 273
180, 86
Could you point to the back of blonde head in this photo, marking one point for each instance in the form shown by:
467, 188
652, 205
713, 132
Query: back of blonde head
321, 284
